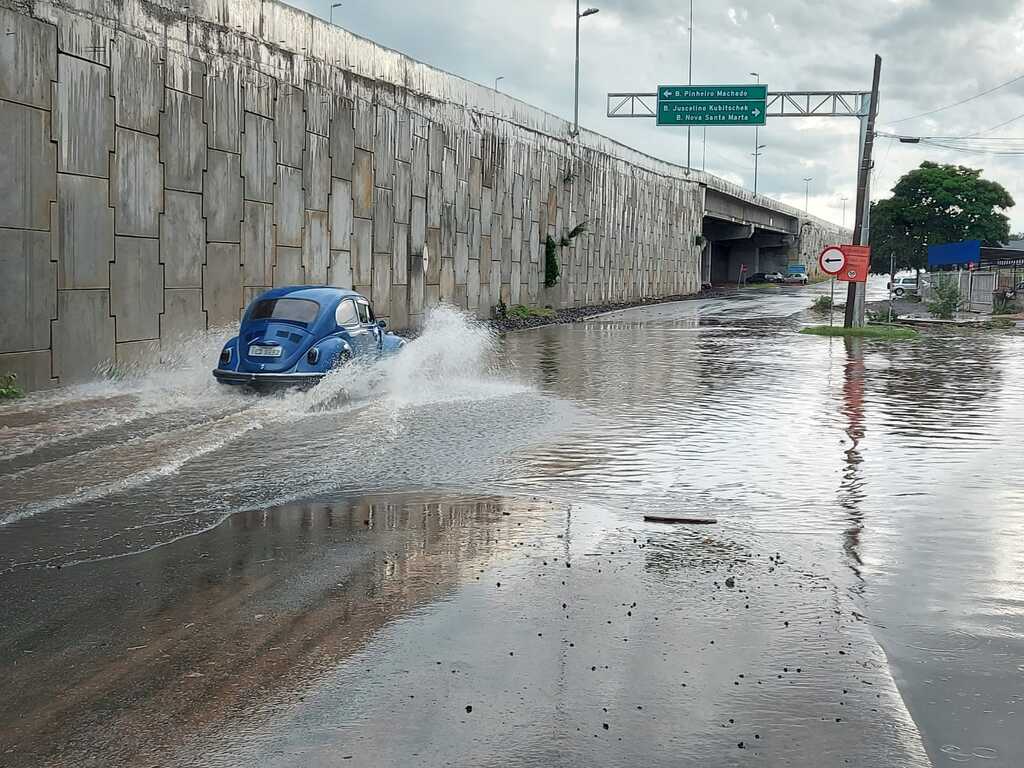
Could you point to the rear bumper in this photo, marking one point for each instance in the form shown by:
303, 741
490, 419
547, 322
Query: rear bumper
267, 379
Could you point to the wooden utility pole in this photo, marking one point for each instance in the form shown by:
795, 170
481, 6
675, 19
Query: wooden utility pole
855, 291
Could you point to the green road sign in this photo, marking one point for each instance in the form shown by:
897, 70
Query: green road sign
712, 104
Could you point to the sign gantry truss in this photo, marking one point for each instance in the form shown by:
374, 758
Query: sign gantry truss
780, 104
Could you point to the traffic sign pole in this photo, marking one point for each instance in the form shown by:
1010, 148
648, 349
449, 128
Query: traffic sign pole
854, 316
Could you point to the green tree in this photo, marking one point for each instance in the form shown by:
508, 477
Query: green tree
936, 204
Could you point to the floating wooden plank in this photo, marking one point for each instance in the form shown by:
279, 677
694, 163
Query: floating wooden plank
680, 519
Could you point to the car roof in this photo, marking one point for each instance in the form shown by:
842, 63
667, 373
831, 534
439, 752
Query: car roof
318, 293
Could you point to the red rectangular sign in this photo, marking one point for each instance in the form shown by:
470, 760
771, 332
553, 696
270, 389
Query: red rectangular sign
858, 263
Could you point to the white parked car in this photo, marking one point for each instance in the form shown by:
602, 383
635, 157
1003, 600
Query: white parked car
903, 286
795, 278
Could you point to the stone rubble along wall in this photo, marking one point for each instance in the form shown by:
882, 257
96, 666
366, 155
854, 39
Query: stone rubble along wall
165, 163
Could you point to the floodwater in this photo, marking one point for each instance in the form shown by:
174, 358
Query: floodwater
441, 559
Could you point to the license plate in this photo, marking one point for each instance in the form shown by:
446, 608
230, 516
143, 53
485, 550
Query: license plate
258, 351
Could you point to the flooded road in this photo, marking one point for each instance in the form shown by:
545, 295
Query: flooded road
442, 559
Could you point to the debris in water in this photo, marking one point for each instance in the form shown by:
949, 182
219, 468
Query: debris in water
680, 520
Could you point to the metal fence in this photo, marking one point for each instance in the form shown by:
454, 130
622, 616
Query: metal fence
976, 287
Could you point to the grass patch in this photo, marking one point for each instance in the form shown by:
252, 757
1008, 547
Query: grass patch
1001, 323
822, 304
891, 332
762, 286
523, 312
9, 389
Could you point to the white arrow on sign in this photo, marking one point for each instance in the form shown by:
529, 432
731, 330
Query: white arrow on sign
832, 260
757, 112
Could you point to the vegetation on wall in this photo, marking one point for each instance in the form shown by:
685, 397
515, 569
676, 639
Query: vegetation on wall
9, 389
552, 267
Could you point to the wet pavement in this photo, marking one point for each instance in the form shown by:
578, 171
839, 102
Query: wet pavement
442, 559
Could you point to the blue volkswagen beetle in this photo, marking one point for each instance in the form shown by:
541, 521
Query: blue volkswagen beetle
296, 335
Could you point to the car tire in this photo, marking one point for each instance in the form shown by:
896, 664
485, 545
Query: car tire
899, 293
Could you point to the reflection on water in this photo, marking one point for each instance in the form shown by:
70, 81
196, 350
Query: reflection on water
236, 576
896, 463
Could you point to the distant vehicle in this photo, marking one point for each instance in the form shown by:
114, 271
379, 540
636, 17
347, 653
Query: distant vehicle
903, 285
795, 278
766, 277
294, 337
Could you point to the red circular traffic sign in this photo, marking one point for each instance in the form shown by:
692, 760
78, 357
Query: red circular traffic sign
832, 260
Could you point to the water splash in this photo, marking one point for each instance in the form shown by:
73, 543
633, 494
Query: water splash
171, 414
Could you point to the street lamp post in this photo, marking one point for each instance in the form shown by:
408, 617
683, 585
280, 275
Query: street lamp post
807, 192
576, 97
757, 77
757, 154
333, 6
497, 79
844, 210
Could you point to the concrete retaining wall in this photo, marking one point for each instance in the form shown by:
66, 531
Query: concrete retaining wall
164, 163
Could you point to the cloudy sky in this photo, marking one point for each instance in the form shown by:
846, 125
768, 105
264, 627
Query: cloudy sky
935, 52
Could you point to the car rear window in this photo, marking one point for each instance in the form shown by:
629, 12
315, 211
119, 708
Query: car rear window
302, 311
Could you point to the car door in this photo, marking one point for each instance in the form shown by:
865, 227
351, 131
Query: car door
374, 335
348, 318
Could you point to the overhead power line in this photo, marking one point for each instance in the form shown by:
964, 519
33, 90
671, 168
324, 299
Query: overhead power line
957, 103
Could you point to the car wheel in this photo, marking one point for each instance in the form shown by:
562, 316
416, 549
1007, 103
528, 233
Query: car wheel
899, 292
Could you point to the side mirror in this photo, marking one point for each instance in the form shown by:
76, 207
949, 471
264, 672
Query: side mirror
381, 324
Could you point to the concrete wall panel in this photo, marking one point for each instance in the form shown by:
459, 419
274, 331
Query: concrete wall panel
83, 117
259, 169
419, 167
183, 142
258, 244
222, 108
137, 355
28, 292
85, 232
342, 140
288, 206
362, 185
137, 184
222, 285
380, 292
183, 316
136, 288
27, 167
259, 94
290, 123
403, 191
400, 255
182, 240
222, 197
318, 110
384, 147
341, 269
83, 335
316, 172
362, 251
138, 84
288, 267
418, 226
341, 214
383, 220
365, 123
28, 59
184, 74
32, 369
316, 245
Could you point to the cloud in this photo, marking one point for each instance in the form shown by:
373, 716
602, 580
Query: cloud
934, 52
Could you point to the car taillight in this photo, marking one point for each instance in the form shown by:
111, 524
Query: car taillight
225, 356
313, 356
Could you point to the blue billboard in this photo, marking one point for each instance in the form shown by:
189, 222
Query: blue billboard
954, 254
